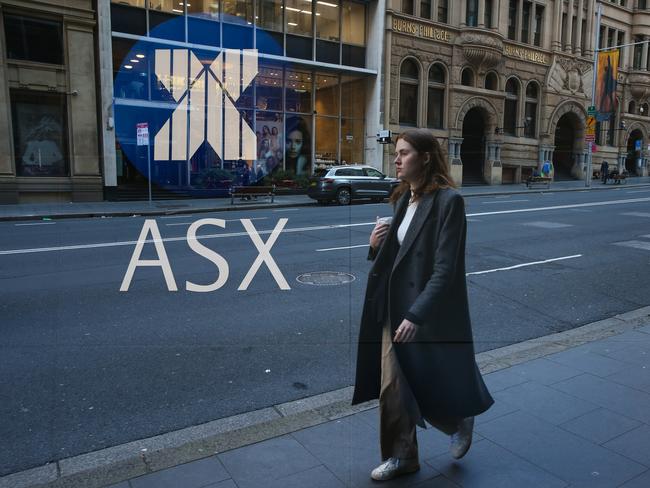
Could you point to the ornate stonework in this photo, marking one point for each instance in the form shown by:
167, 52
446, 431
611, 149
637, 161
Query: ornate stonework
481, 49
639, 83
570, 75
478, 102
566, 108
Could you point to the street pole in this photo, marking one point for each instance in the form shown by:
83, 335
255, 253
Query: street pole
149, 168
593, 93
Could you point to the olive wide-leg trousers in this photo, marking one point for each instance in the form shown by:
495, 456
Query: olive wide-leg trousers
399, 413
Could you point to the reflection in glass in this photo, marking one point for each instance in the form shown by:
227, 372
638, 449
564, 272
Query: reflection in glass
269, 88
298, 17
203, 8
132, 67
238, 11
40, 133
132, 3
327, 137
298, 145
298, 87
354, 23
167, 6
327, 20
269, 15
327, 94
352, 141
270, 133
353, 97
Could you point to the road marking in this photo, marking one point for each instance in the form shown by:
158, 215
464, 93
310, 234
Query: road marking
287, 210
307, 229
547, 225
534, 263
184, 216
636, 214
341, 248
505, 201
37, 223
644, 245
227, 220
637, 191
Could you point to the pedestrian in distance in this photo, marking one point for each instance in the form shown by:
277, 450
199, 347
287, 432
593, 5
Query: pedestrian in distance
415, 350
604, 171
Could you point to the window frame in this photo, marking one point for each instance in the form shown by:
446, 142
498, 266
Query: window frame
410, 82
440, 86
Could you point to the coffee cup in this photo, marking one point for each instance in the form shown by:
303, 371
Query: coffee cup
384, 220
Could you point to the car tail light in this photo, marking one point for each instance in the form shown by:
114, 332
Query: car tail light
327, 181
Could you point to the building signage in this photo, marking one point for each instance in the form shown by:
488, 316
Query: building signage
526, 54
421, 30
142, 134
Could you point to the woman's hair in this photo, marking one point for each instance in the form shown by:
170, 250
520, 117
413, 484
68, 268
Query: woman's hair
298, 124
433, 174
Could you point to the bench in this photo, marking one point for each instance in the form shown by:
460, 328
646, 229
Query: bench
538, 180
251, 191
617, 178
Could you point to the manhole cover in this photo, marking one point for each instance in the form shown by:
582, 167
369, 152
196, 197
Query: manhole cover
325, 278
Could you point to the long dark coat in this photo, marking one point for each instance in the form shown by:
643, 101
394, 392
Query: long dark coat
423, 280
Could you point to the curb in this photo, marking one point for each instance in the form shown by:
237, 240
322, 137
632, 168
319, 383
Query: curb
183, 211
137, 458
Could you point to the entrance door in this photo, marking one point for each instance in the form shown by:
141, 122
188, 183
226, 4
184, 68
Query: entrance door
472, 150
633, 153
565, 138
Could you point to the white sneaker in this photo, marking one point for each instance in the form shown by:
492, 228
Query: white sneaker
462, 440
394, 467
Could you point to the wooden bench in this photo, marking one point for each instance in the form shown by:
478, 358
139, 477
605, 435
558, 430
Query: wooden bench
617, 178
251, 191
538, 180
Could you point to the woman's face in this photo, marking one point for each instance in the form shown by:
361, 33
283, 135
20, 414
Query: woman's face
265, 131
408, 163
294, 143
274, 131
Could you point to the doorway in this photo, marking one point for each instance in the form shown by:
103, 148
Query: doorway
565, 140
472, 150
634, 150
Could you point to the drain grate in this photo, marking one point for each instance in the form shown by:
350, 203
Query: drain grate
325, 278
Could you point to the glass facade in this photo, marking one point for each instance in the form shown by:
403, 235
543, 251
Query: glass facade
300, 117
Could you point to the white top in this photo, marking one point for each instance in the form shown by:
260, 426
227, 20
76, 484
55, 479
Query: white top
406, 221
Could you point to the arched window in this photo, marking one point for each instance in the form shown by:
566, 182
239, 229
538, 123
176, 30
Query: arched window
467, 77
436, 97
511, 107
631, 108
644, 109
532, 97
408, 93
491, 81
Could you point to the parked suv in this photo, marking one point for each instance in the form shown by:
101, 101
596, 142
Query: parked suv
346, 183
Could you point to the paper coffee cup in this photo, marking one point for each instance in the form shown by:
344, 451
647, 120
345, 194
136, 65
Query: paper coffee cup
384, 220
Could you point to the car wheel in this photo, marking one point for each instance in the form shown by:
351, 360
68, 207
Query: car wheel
343, 196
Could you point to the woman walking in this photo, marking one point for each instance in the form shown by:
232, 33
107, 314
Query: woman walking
416, 351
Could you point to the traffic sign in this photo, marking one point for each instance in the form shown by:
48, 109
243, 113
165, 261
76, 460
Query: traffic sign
142, 133
590, 138
591, 111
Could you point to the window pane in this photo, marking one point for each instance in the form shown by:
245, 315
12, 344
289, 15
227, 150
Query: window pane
34, 39
467, 77
203, 8
408, 104
442, 11
512, 20
436, 108
531, 90
298, 145
352, 141
131, 71
491, 82
133, 3
539, 17
407, 7
353, 97
238, 11
269, 88
510, 117
437, 74
298, 17
373, 173
512, 87
298, 91
354, 23
525, 22
488, 14
531, 119
327, 94
409, 70
269, 13
471, 13
270, 134
327, 20
39, 125
166, 6
425, 9
327, 137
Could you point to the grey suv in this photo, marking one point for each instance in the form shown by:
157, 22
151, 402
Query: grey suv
346, 183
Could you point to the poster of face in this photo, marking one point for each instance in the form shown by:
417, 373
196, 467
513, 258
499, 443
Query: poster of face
269, 143
298, 146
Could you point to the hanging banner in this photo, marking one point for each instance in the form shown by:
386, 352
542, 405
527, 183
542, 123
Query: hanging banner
606, 100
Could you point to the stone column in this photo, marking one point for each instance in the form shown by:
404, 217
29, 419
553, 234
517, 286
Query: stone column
455, 163
644, 57
520, 19
556, 42
493, 171
568, 46
109, 157
463, 12
481, 13
578, 43
622, 157
591, 22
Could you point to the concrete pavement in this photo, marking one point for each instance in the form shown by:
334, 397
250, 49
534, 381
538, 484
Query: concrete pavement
572, 409
27, 211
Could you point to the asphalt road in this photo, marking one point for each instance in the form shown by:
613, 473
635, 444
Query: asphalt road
86, 366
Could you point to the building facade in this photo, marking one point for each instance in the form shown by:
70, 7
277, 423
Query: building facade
507, 84
48, 102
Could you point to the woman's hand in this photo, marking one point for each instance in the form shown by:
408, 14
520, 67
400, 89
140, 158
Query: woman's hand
378, 235
405, 332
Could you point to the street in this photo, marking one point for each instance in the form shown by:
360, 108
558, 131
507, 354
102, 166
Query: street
86, 366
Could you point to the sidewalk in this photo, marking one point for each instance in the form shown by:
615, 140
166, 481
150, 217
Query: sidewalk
579, 417
39, 211
572, 410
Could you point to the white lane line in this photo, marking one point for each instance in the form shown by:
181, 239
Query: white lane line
287, 210
341, 248
307, 229
644, 245
534, 263
184, 216
637, 191
36, 223
227, 220
636, 214
504, 201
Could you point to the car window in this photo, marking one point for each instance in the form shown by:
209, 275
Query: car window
319, 173
373, 172
349, 172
